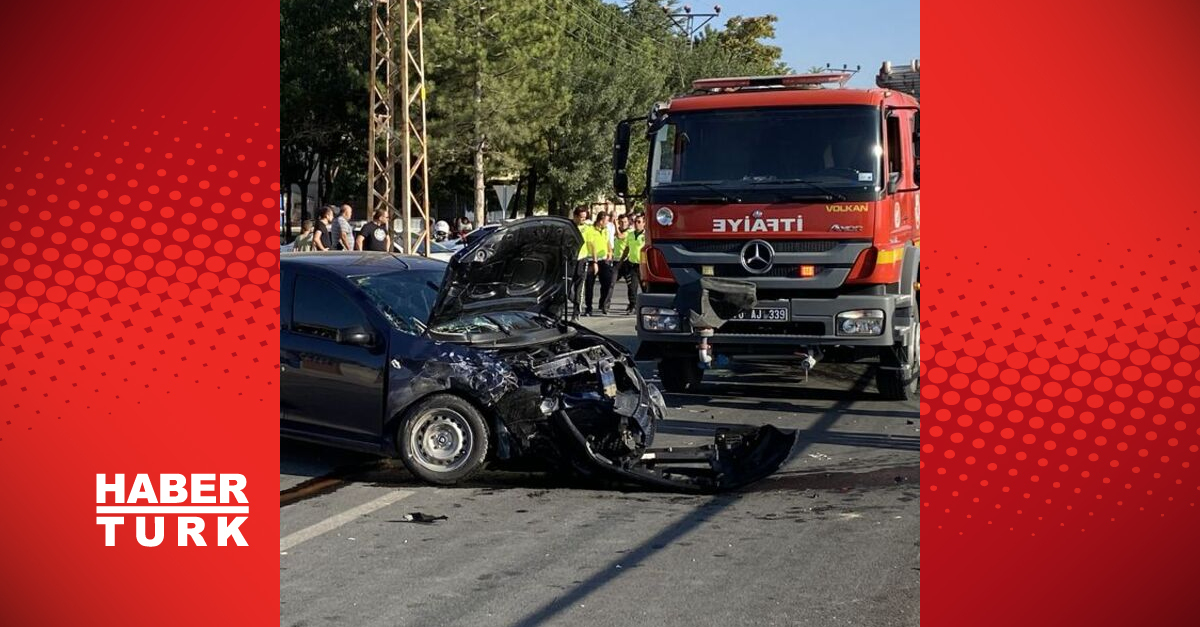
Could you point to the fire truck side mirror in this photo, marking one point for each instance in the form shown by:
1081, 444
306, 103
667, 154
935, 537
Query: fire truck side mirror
917, 147
620, 158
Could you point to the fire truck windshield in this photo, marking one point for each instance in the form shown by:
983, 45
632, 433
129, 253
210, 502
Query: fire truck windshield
837, 148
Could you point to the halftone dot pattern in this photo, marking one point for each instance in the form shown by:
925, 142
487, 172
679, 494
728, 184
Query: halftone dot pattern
123, 263
1070, 402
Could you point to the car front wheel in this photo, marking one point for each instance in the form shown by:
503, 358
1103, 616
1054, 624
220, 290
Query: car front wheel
443, 440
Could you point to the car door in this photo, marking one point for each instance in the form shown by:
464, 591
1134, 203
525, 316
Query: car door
328, 387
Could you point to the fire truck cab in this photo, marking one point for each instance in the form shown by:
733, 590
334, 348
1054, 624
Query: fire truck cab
803, 187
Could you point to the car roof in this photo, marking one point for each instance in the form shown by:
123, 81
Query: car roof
358, 263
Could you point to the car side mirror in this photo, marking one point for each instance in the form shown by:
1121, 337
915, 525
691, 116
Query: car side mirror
356, 336
893, 182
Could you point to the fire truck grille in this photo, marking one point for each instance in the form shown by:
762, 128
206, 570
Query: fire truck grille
809, 328
738, 272
734, 247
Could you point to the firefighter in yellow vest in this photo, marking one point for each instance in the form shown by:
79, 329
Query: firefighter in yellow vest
630, 259
601, 267
586, 264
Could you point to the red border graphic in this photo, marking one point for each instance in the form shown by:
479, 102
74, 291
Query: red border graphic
139, 306
1059, 431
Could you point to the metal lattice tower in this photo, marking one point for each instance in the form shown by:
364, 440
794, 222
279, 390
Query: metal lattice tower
398, 43
685, 21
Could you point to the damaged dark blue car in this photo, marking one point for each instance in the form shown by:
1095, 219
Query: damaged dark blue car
450, 367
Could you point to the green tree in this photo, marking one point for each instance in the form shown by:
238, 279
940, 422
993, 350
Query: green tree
324, 54
490, 93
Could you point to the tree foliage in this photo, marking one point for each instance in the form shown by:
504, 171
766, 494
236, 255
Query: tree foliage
533, 87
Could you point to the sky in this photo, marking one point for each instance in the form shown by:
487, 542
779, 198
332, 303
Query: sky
858, 32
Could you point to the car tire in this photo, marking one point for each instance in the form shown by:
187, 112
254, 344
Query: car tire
443, 439
679, 375
902, 382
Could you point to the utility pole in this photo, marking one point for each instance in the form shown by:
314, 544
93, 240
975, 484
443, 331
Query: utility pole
390, 144
685, 21
381, 136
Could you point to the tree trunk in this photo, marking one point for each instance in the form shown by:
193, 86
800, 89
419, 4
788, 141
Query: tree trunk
322, 190
531, 192
310, 167
304, 202
480, 198
480, 189
286, 227
513, 202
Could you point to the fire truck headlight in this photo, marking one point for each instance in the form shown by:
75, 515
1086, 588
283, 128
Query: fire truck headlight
860, 322
665, 216
659, 320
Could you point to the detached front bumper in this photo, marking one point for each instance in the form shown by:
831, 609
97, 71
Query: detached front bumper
733, 460
811, 323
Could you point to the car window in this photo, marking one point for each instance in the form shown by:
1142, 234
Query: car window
321, 310
404, 298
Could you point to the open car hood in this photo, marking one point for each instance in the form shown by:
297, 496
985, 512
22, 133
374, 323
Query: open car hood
520, 266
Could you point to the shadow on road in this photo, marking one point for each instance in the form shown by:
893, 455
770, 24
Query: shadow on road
868, 440
673, 532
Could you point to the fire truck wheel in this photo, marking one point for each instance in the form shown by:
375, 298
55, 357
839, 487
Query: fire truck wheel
902, 381
679, 375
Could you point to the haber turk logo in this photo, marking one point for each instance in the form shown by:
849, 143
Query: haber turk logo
199, 505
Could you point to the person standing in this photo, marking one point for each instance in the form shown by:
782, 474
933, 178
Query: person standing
304, 241
374, 236
322, 241
601, 265
631, 259
618, 247
585, 266
342, 232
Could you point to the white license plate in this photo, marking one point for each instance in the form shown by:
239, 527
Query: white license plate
765, 314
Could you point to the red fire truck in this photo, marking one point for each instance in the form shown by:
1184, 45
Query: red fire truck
803, 187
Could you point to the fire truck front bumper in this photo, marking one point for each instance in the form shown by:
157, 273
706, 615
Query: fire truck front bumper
780, 326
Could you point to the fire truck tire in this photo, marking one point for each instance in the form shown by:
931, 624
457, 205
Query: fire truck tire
679, 375
902, 380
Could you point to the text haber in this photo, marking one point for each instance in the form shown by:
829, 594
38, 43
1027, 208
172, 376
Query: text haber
188, 498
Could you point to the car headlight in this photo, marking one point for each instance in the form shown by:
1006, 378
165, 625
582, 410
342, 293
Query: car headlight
659, 319
860, 322
665, 216
656, 397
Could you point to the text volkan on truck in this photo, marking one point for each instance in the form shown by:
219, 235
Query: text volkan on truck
806, 189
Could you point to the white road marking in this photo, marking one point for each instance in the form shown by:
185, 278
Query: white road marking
333, 522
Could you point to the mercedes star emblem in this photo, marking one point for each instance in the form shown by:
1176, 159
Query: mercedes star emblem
757, 256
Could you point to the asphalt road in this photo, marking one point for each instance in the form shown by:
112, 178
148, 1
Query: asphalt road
831, 539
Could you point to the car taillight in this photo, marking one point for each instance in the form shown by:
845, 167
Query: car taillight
657, 263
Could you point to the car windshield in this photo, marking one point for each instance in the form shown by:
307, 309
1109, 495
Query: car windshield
836, 147
404, 298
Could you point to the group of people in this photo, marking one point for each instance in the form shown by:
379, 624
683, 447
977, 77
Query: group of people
611, 252
332, 231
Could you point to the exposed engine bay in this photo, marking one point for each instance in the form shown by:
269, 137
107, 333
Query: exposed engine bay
581, 402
